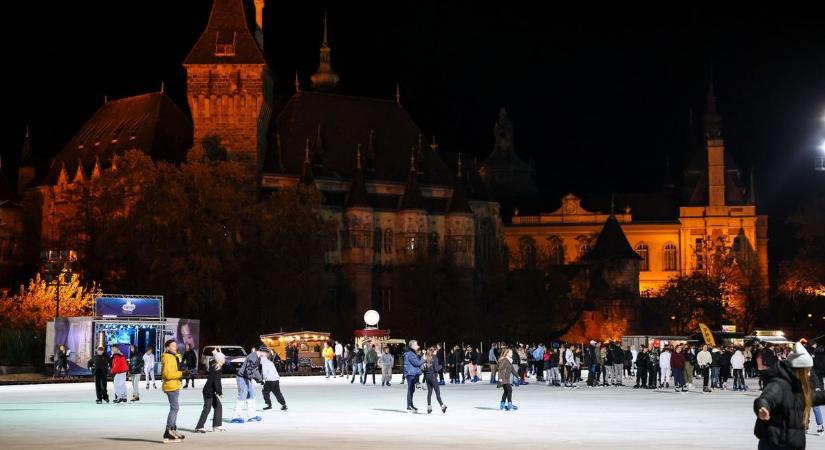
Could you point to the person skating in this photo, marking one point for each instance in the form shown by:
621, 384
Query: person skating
249, 371
212, 394
652, 367
119, 370
370, 358
171, 377
149, 367
704, 360
329, 356
569, 370
412, 369
784, 407
492, 360
339, 359
677, 367
442, 359
358, 364
664, 366
618, 363
506, 371
272, 382
135, 369
430, 368
386, 362
61, 362
690, 364
737, 363
190, 361
99, 366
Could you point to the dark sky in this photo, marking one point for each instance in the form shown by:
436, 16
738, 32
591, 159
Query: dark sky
600, 97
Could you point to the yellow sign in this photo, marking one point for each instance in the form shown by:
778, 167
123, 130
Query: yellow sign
707, 335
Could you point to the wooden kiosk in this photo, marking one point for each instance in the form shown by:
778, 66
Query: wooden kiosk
309, 345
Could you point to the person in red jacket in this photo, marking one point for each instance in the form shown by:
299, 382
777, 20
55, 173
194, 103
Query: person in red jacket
677, 366
119, 370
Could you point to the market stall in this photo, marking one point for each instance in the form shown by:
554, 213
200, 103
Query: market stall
307, 343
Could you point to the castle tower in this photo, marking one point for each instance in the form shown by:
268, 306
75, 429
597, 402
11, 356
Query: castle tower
228, 86
325, 79
358, 248
460, 225
411, 222
26, 168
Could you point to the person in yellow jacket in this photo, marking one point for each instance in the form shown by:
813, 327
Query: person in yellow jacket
329, 354
171, 376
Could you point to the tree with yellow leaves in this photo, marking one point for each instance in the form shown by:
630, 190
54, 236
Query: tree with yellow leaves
34, 305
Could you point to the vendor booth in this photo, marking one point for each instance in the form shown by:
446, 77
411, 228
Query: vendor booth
656, 341
308, 343
371, 334
119, 320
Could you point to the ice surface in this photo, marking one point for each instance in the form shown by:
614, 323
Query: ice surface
336, 414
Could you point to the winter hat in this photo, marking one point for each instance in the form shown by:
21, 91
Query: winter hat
799, 358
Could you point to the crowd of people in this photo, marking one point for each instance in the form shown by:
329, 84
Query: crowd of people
788, 376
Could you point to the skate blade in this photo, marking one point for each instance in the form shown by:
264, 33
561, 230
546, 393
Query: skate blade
170, 441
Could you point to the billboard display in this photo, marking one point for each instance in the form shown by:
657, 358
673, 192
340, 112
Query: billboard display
128, 306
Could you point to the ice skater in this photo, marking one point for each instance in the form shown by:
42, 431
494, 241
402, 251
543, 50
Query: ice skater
386, 362
272, 383
431, 367
212, 394
329, 356
135, 369
190, 360
61, 362
171, 376
412, 369
119, 370
247, 373
505, 372
149, 367
99, 365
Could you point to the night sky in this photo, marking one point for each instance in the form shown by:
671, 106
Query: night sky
600, 97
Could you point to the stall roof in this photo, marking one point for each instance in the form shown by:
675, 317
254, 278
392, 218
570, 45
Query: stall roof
771, 339
321, 334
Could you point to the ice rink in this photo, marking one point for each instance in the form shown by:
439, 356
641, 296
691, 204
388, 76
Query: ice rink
336, 414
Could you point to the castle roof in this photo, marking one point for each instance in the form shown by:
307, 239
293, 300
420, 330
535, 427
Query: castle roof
612, 243
226, 39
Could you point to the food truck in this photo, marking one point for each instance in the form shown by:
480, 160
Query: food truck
309, 344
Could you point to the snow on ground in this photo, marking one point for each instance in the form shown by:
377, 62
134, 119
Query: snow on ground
336, 414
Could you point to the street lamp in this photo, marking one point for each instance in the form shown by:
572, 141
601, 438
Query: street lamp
57, 271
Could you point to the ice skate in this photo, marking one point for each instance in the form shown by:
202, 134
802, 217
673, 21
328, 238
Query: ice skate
220, 428
443, 409
820, 430
284, 408
254, 419
237, 420
200, 430
429, 409
169, 437
502, 406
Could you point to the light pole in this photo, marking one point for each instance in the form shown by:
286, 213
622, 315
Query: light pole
57, 271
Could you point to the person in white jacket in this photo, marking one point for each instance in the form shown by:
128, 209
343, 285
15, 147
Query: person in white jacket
737, 363
386, 362
570, 361
704, 360
149, 367
664, 364
272, 381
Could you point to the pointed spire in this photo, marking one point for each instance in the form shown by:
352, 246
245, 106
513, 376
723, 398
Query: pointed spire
397, 93
62, 177
297, 83
412, 200
358, 196
325, 79
96, 168
78, 175
458, 201
612, 244
306, 177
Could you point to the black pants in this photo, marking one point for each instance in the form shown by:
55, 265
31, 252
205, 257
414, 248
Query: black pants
507, 395
410, 389
705, 376
592, 375
432, 385
652, 381
275, 388
212, 402
100, 386
370, 370
441, 375
641, 377
191, 377
571, 375
454, 372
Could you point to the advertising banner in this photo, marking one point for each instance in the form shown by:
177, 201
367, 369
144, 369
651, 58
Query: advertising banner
128, 306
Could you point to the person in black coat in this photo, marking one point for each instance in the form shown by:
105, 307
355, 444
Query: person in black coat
430, 368
99, 365
190, 360
62, 361
212, 394
135, 369
783, 409
642, 361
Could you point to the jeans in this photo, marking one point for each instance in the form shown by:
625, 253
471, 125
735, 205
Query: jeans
212, 402
618, 371
136, 385
678, 377
339, 359
357, 368
246, 391
738, 378
120, 386
328, 368
818, 415
714, 376
172, 418
410, 389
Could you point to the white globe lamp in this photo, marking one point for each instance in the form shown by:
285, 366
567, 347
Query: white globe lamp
371, 318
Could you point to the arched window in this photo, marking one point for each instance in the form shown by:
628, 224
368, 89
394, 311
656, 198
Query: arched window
527, 249
670, 257
556, 250
584, 249
388, 240
642, 250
